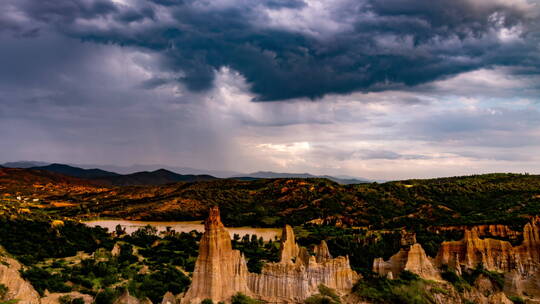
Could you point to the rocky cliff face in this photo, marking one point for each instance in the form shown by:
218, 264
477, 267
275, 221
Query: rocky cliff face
18, 288
220, 271
298, 274
471, 251
495, 254
412, 258
521, 264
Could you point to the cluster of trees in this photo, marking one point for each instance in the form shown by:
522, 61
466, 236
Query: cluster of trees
146, 264
102, 272
34, 240
256, 250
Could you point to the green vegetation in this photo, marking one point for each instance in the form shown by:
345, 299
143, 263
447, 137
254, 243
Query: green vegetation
241, 298
457, 281
107, 296
177, 249
156, 284
67, 299
469, 276
496, 278
146, 264
407, 289
325, 296
34, 240
517, 300
42, 280
150, 278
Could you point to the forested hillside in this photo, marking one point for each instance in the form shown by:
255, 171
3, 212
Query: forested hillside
491, 198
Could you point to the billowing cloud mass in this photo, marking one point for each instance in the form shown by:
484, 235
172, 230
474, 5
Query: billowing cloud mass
375, 88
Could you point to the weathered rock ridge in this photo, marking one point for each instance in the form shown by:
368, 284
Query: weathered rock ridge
221, 272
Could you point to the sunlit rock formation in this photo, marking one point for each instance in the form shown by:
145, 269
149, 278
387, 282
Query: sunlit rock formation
471, 251
298, 274
220, 271
412, 258
521, 264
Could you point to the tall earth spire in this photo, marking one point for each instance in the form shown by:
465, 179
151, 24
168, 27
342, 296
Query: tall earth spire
220, 272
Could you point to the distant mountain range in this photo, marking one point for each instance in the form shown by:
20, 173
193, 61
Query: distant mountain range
157, 177
24, 164
129, 169
149, 175
75, 171
270, 174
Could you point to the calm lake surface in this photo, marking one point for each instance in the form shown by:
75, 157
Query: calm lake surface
131, 226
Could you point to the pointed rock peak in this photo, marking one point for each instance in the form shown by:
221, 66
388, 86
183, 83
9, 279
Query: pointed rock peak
214, 219
289, 249
168, 298
220, 272
287, 234
322, 252
126, 298
419, 263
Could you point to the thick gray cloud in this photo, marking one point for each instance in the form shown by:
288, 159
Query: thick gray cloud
376, 45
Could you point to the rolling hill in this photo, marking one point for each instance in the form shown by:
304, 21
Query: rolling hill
75, 171
157, 177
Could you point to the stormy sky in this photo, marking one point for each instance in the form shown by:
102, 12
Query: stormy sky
383, 89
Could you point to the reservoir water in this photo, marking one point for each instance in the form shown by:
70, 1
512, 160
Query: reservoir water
131, 226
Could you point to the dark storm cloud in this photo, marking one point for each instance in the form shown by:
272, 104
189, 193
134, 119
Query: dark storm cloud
382, 44
67, 11
444, 17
